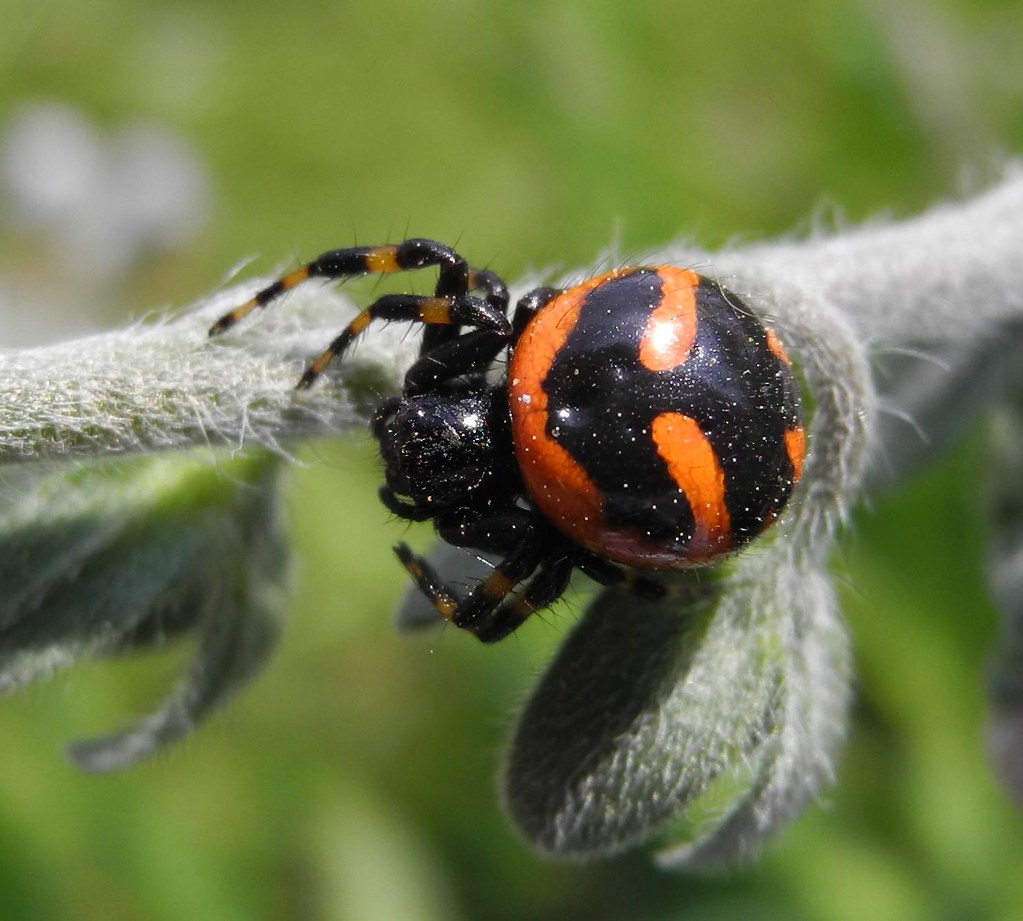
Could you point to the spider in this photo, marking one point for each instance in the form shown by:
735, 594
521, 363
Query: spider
647, 420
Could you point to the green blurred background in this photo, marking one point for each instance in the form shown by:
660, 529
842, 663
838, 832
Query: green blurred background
354, 779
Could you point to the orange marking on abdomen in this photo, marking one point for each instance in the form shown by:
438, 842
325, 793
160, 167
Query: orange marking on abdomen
693, 465
671, 328
777, 349
795, 448
559, 486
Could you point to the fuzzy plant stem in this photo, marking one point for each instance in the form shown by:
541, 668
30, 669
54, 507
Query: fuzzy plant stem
166, 385
954, 272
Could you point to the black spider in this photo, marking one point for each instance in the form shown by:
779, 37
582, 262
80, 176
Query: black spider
648, 420
446, 441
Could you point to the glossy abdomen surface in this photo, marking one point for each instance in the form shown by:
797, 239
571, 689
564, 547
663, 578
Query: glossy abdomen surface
655, 420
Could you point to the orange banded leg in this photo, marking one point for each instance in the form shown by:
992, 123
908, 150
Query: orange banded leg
455, 275
546, 586
455, 310
490, 287
477, 610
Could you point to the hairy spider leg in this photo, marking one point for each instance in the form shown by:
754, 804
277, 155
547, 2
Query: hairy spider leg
470, 354
492, 288
361, 260
450, 308
604, 572
463, 309
489, 610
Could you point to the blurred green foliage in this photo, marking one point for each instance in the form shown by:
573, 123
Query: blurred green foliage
354, 780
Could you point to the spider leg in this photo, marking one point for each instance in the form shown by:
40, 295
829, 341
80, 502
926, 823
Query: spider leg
494, 289
474, 611
482, 599
486, 282
496, 532
470, 353
443, 355
604, 572
462, 309
455, 274
528, 305
545, 587
410, 511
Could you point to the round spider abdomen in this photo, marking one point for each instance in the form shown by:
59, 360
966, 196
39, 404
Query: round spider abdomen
656, 421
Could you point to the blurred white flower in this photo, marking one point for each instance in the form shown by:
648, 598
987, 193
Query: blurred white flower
104, 199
